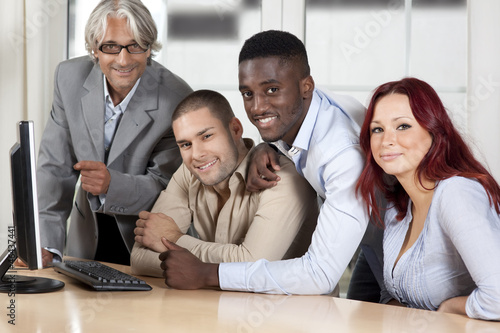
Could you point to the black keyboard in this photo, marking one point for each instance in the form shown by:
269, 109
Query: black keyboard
99, 276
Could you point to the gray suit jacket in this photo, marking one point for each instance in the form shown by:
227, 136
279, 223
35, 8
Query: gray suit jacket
141, 160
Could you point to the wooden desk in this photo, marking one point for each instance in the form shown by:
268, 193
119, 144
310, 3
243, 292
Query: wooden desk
75, 308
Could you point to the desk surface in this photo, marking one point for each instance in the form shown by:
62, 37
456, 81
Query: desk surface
78, 309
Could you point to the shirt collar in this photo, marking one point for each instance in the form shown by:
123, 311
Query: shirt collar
303, 137
241, 170
123, 105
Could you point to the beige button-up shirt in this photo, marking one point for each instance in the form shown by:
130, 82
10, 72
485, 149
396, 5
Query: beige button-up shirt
274, 224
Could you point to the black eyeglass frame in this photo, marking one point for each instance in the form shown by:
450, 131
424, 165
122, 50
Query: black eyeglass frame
123, 47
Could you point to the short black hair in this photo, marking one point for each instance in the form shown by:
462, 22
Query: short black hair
216, 103
274, 43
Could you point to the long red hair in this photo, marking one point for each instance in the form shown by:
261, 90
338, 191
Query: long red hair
448, 155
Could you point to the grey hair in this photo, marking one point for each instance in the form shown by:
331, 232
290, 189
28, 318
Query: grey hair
139, 20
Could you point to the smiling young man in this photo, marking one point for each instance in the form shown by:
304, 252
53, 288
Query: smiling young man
209, 193
109, 126
317, 132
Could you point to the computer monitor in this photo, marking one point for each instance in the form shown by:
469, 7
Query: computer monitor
24, 238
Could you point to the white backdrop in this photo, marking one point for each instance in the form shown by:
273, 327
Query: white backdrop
12, 100
33, 39
483, 86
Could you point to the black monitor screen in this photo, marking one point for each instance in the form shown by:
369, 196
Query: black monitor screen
26, 225
24, 199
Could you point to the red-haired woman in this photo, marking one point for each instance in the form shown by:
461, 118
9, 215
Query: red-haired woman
442, 223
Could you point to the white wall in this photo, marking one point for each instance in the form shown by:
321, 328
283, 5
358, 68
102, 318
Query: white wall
12, 100
483, 100
33, 36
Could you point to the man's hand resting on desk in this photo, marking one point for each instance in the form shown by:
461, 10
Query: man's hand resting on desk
152, 226
46, 259
182, 270
263, 162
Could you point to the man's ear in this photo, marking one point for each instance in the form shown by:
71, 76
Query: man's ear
307, 87
95, 56
236, 129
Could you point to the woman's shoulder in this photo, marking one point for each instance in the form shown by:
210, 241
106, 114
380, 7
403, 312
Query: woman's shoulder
460, 199
458, 181
460, 188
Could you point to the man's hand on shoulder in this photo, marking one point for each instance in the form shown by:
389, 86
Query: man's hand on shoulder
95, 177
183, 270
150, 227
264, 161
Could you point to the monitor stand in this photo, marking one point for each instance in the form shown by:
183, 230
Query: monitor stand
18, 284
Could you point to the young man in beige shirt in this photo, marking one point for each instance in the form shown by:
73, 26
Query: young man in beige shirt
209, 192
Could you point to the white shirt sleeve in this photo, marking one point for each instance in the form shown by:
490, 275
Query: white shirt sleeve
341, 224
474, 228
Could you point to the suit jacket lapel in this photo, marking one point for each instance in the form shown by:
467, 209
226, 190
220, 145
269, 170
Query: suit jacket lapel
136, 117
93, 109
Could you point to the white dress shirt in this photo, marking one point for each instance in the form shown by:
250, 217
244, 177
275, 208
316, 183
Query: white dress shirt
113, 113
112, 116
326, 152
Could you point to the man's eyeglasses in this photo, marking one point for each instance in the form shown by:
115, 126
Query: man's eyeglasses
116, 48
